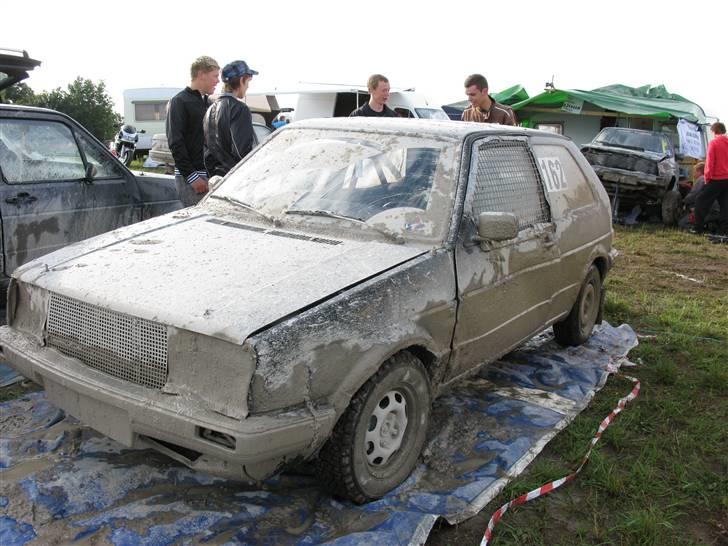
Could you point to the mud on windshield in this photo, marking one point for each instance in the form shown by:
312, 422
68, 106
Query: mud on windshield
402, 183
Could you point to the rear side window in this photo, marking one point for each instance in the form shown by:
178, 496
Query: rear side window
38, 151
507, 180
564, 180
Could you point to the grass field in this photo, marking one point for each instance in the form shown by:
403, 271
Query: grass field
660, 474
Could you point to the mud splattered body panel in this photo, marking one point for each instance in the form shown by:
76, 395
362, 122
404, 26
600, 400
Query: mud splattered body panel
59, 185
284, 291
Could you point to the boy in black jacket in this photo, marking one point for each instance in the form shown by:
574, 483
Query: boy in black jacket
185, 135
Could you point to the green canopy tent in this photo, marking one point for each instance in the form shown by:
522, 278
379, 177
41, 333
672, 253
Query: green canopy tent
637, 101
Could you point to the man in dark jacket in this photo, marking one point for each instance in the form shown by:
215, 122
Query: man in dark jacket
228, 125
184, 130
378, 87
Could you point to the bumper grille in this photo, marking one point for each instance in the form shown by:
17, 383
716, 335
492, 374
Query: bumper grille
120, 345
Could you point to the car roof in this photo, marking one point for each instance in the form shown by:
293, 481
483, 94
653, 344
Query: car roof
25, 108
14, 65
454, 130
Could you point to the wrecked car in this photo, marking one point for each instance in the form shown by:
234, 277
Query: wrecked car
59, 184
637, 168
315, 303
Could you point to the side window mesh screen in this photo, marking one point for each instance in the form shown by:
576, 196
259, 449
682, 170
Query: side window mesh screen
507, 181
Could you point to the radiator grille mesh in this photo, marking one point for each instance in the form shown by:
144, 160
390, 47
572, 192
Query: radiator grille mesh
120, 345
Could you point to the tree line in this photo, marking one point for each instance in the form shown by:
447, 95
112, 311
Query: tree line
85, 101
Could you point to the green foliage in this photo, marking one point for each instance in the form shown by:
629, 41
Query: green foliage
20, 93
85, 101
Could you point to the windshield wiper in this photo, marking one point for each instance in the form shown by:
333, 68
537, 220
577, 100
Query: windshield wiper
388, 233
275, 221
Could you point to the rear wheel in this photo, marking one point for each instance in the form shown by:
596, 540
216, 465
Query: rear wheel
376, 443
576, 328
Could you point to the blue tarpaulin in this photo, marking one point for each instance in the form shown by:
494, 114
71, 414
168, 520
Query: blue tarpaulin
61, 482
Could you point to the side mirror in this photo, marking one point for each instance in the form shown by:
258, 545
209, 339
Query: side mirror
497, 226
91, 172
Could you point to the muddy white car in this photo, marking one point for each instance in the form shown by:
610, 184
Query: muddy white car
318, 300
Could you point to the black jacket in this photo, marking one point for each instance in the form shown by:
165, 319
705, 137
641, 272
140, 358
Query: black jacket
184, 130
229, 134
366, 111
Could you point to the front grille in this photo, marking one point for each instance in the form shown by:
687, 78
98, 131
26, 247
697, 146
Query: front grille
120, 345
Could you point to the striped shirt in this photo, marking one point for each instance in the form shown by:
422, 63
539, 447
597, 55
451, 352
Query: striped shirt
497, 113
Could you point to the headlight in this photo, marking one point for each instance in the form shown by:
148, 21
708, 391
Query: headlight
215, 371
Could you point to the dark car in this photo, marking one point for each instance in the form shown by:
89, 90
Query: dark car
637, 168
59, 184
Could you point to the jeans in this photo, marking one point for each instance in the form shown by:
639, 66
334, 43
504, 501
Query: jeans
715, 189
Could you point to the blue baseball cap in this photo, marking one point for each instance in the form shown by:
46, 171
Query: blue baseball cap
236, 69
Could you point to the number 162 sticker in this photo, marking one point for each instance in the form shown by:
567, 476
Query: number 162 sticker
553, 174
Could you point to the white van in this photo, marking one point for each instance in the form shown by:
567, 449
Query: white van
340, 101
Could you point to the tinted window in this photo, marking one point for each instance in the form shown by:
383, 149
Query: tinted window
106, 166
38, 151
507, 180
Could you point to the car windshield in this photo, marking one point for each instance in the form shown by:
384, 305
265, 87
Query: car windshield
395, 184
648, 142
431, 113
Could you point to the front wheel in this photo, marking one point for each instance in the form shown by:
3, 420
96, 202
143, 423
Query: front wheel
376, 443
126, 156
670, 208
576, 328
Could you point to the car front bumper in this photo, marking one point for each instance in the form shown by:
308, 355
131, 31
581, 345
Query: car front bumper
137, 416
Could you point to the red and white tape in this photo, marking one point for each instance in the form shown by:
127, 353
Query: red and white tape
547, 488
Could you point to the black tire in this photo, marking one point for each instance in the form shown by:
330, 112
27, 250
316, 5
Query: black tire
576, 328
670, 208
349, 465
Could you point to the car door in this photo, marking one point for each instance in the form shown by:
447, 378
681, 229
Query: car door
582, 223
47, 200
504, 288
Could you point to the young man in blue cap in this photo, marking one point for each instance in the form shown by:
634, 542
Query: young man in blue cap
228, 125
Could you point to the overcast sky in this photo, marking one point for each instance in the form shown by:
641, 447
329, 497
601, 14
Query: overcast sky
429, 46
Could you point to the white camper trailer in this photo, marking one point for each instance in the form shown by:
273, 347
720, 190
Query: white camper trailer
146, 108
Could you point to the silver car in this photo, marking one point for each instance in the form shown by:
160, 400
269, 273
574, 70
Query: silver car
315, 303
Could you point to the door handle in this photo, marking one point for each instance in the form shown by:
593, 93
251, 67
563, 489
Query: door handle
20, 199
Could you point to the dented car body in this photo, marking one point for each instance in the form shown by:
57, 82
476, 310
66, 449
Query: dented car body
317, 301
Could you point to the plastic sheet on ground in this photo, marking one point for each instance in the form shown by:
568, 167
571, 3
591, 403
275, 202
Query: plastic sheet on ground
61, 482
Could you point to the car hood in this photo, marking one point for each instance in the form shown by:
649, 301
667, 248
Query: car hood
209, 275
654, 156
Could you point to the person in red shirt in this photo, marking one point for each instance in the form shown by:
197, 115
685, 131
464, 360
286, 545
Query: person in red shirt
716, 181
